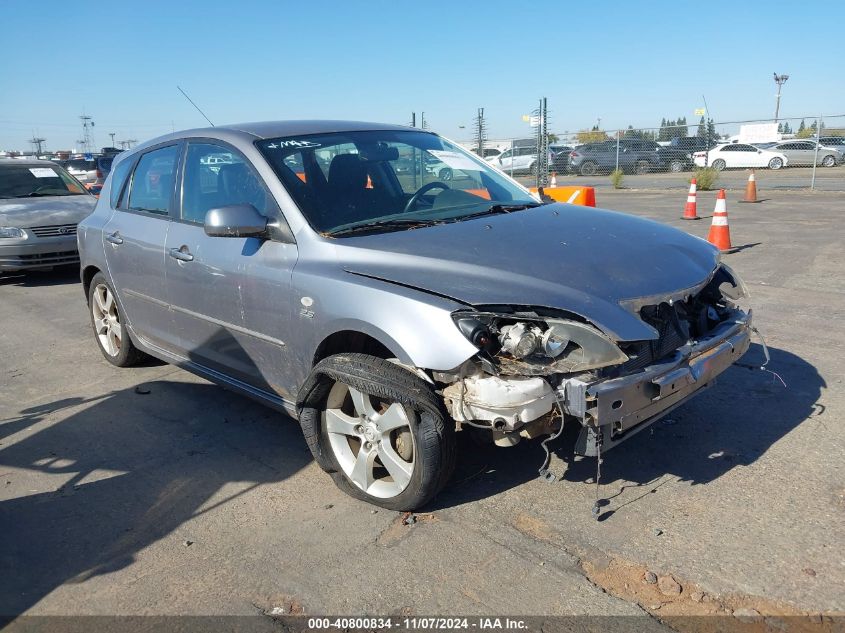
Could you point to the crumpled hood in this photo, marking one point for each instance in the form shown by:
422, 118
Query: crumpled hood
46, 211
580, 259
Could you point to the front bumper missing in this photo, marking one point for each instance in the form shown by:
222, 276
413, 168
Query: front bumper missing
614, 410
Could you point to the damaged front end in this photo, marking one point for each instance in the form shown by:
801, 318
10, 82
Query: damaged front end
537, 368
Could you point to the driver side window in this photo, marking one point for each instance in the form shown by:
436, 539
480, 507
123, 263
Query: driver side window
216, 176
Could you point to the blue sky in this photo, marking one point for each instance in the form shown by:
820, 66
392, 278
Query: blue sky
626, 62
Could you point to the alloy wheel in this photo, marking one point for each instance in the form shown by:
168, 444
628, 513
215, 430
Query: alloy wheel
371, 439
107, 324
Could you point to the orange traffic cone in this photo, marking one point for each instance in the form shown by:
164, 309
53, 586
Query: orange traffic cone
690, 212
720, 232
553, 181
751, 189
369, 184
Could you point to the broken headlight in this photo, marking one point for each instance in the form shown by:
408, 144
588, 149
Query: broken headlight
563, 344
730, 284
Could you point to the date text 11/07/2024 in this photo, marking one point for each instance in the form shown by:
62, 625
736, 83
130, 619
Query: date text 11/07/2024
418, 623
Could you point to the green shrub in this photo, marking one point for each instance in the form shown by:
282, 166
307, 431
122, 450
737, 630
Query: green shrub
616, 177
706, 178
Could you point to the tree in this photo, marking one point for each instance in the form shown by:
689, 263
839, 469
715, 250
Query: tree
591, 136
801, 127
702, 129
553, 138
711, 130
780, 128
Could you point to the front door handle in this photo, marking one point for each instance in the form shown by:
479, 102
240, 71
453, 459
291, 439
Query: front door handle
114, 238
182, 254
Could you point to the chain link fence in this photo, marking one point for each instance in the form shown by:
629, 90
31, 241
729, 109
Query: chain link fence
791, 153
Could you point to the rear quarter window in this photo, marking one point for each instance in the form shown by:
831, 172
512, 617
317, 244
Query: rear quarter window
118, 179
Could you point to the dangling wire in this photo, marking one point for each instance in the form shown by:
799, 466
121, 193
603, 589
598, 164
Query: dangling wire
544, 471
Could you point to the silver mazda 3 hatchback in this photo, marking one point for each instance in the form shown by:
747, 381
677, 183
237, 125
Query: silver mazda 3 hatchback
320, 267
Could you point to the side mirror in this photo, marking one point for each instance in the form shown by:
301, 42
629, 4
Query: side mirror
235, 220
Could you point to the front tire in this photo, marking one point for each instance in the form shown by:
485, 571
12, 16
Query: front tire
642, 167
676, 166
719, 164
828, 161
109, 325
775, 163
378, 429
446, 174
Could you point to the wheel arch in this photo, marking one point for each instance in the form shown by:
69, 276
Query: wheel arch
357, 341
87, 275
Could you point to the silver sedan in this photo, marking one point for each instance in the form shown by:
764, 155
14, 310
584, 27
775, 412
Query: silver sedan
803, 152
40, 206
385, 308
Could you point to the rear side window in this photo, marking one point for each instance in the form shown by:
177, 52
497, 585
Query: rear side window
118, 178
152, 181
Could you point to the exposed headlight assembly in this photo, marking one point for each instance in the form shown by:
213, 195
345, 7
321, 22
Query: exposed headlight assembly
12, 232
730, 284
540, 345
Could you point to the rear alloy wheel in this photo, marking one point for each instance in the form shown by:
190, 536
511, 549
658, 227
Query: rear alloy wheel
446, 174
776, 163
719, 164
676, 166
828, 161
109, 331
642, 167
588, 168
378, 429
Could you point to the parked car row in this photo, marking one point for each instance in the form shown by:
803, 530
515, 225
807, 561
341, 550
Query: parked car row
795, 153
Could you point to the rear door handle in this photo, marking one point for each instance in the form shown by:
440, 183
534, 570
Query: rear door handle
181, 255
114, 238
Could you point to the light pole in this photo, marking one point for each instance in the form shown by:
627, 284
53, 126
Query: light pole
779, 80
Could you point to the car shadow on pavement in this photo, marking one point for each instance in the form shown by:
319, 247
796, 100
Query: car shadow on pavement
124, 470
730, 425
58, 276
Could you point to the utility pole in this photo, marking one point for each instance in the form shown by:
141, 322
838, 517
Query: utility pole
112, 138
87, 138
542, 163
779, 80
480, 132
36, 144
422, 121
413, 119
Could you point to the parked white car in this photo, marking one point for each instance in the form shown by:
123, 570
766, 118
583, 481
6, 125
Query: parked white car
733, 155
517, 159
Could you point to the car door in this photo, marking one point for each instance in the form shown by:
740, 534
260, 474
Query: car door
134, 240
230, 296
804, 153
505, 160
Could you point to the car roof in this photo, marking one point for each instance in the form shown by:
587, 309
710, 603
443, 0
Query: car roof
27, 161
272, 129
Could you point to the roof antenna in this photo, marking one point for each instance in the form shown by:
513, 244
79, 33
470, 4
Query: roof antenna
195, 105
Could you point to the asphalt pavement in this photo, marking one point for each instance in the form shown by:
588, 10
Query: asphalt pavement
151, 491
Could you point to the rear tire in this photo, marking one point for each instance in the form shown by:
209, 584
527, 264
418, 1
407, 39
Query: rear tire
719, 164
588, 168
446, 174
379, 430
775, 163
642, 167
676, 166
109, 325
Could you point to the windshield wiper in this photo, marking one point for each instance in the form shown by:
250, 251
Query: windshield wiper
396, 223
495, 209
34, 194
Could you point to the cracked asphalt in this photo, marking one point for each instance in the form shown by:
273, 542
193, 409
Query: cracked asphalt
179, 497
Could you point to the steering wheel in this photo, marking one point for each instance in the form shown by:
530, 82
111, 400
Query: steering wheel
419, 192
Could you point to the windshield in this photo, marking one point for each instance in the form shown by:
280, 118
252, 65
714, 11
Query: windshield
347, 179
30, 181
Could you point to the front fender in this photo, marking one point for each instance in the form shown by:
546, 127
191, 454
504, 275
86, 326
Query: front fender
416, 326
